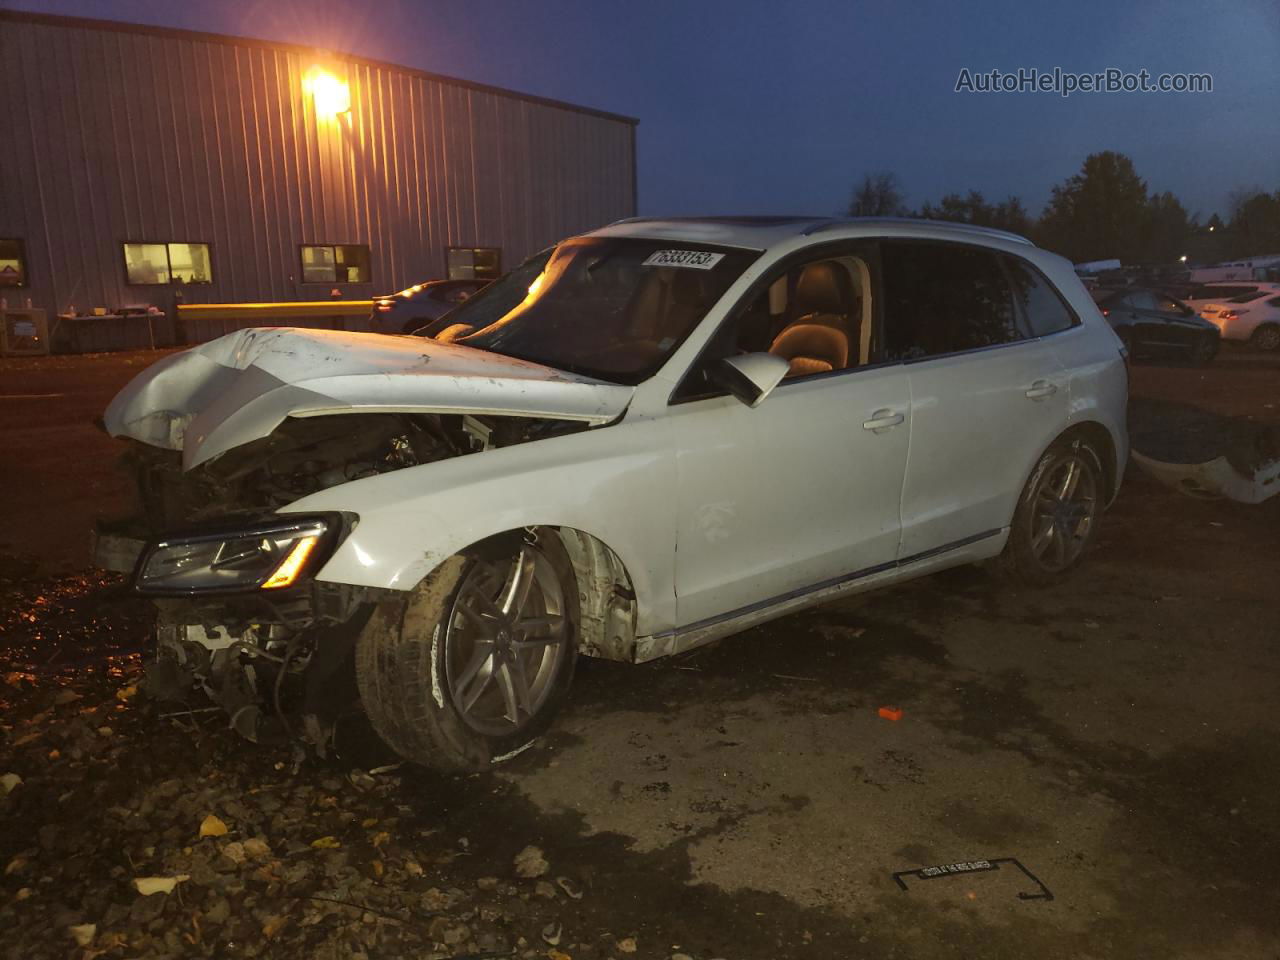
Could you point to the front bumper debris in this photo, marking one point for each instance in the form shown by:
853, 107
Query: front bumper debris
1216, 479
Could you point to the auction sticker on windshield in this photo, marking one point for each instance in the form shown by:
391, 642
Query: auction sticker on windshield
696, 259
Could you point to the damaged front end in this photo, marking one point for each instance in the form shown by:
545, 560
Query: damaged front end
225, 435
241, 617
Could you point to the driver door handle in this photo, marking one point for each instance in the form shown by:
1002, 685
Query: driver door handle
1041, 389
882, 420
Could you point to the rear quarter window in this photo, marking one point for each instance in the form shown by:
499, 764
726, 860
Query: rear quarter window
1043, 309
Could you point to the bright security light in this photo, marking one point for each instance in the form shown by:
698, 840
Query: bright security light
331, 95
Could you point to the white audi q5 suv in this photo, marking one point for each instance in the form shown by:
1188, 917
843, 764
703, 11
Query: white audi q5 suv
673, 430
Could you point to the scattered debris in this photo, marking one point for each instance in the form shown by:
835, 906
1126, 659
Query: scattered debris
212, 826
530, 863
1203, 454
552, 932
83, 933
149, 886
627, 945
973, 866
8, 782
256, 849
890, 713
571, 890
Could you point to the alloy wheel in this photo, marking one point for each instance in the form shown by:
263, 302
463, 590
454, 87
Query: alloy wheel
506, 640
1064, 512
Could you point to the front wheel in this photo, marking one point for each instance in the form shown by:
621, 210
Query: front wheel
1204, 350
471, 668
1056, 519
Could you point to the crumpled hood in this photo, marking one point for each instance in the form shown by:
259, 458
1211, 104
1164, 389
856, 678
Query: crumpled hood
240, 387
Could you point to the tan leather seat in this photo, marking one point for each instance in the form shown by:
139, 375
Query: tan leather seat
818, 340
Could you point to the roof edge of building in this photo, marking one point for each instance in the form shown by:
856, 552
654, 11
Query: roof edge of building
122, 26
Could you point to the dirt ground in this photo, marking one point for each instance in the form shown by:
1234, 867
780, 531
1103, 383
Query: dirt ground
1114, 735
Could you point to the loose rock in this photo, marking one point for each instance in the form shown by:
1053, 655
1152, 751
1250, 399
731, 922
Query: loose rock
530, 863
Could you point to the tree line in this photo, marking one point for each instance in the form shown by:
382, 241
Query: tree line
1105, 211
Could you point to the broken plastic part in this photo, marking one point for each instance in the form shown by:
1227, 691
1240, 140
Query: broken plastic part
1214, 480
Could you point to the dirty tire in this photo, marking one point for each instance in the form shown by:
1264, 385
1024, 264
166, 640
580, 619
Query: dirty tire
402, 667
1266, 338
1031, 556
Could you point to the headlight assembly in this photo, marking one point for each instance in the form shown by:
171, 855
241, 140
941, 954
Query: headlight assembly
267, 557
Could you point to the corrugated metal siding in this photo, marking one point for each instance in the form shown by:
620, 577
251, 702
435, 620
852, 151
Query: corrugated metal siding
112, 135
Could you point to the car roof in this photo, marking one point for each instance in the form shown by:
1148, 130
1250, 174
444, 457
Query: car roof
761, 233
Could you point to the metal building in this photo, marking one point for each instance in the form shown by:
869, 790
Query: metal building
150, 165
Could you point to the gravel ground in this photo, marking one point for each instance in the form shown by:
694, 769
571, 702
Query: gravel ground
1115, 734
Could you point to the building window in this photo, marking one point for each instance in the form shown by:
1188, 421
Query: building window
147, 264
335, 263
13, 264
474, 263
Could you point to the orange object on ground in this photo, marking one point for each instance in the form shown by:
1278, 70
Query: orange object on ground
891, 713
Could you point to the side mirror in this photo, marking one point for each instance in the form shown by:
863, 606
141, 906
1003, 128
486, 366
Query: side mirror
750, 377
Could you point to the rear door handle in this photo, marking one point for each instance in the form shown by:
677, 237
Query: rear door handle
882, 420
1041, 389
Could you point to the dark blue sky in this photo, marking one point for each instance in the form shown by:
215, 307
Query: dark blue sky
768, 107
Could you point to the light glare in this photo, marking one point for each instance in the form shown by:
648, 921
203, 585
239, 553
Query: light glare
331, 95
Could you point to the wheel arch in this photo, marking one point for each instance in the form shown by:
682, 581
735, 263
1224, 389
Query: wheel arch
1099, 439
607, 599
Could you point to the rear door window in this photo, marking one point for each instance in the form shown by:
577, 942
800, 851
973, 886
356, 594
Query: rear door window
943, 298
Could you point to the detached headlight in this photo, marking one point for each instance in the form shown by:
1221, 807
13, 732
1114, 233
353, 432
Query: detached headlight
269, 557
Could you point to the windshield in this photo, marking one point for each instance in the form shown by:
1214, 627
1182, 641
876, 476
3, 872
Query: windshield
492, 301
611, 308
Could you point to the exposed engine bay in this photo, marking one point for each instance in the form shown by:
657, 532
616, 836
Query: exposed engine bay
279, 662
307, 454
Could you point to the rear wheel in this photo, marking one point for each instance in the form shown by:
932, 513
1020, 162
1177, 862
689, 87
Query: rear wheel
473, 666
1266, 338
1056, 520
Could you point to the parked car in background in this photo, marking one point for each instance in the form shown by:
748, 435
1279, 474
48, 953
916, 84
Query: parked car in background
1152, 324
682, 429
1252, 317
1198, 296
414, 306
490, 304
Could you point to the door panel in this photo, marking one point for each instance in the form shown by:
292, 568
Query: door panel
979, 422
789, 494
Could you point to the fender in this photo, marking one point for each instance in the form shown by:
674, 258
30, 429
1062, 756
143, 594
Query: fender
616, 483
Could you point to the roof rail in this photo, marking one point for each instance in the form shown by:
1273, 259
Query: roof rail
766, 220
919, 221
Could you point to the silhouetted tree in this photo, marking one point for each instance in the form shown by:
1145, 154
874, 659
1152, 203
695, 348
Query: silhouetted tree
878, 195
1254, 227
1099, 212
1167, 230
973, 208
